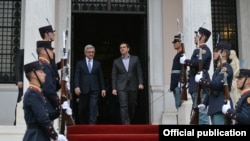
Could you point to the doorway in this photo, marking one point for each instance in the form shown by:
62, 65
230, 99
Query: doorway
105, 32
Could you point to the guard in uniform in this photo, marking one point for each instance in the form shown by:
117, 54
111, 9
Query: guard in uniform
217, 97
47, 33
176, 71
37, 118
45, 54
241, 114
201, 37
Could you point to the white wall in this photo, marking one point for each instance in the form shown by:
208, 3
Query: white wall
8, 103
243, 15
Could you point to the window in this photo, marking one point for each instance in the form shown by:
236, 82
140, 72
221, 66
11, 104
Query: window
10, 21
224, 22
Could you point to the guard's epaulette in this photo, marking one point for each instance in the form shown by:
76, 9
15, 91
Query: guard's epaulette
203, 51
42, 59
248, 100
223, 69
34, 87
202, 45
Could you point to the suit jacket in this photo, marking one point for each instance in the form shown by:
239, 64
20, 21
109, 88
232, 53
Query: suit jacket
86, 80
121, 78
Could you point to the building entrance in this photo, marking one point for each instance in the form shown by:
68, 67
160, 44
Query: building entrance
105, 32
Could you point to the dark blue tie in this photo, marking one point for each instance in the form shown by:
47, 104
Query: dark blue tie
89, 66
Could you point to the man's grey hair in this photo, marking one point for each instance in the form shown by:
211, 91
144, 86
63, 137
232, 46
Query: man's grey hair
88, 46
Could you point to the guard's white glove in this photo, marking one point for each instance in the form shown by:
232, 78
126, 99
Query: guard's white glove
182, 58
66, 107
225, 107
65, 56
202, 107
198, 76
180, 85
69, 111
67, 82
68, 85
61, 138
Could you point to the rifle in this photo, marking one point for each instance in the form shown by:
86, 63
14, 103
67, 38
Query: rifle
218, 39
183, 78
218, 62
228, 121
195, 110
65, 88
183, 68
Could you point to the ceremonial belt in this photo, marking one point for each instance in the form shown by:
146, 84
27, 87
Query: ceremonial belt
194, 71
216, 92
176, 71
30, 126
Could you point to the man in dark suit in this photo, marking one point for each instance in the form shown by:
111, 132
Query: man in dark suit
127, 78
88, 83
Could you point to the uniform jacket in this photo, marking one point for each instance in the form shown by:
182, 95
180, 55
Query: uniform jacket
121, 78
175, 76
37, 118
215, 99
193, 63
85, 80
49, 88
55, 67
242, 110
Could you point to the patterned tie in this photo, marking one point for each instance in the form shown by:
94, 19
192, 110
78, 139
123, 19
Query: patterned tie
89, 66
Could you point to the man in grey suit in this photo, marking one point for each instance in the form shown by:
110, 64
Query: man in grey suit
88, 84
127, 79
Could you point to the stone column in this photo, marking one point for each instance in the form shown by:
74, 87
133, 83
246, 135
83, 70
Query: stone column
196, 13
243, 16
172, 10
155, 43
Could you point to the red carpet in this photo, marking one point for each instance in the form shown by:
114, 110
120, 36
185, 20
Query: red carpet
113, 133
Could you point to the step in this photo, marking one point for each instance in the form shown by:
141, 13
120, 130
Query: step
113, 137
113, 129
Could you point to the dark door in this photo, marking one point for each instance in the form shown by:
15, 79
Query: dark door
105, 32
